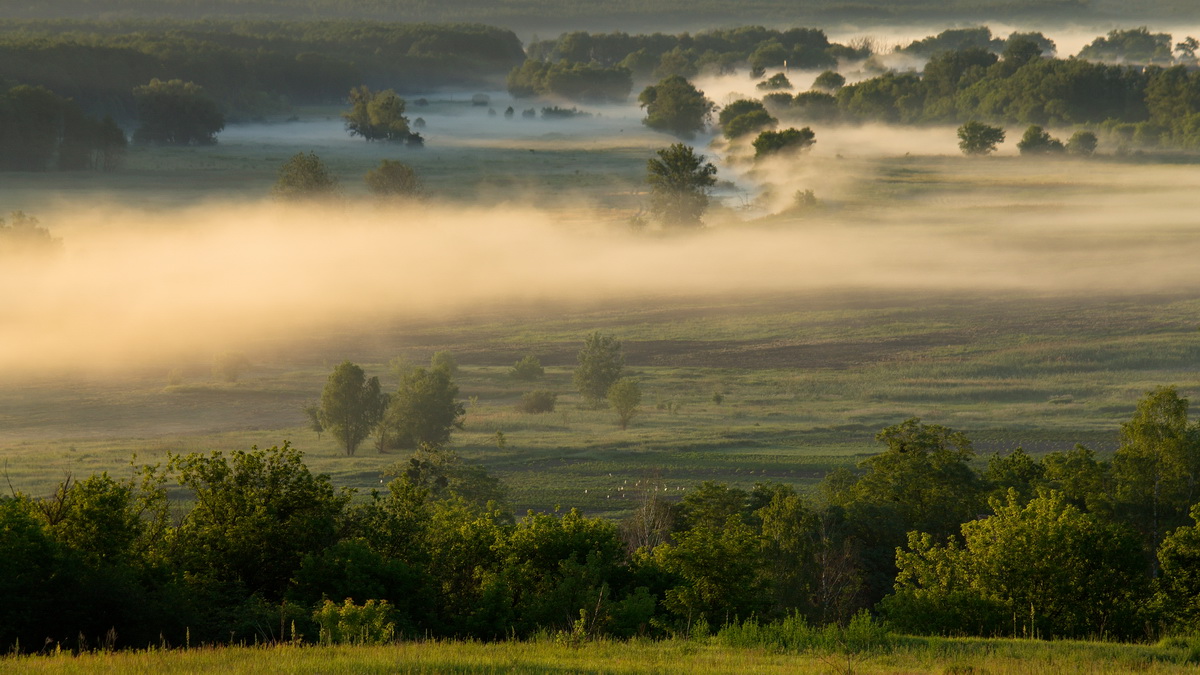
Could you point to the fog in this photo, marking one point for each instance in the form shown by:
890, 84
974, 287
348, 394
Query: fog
146, 287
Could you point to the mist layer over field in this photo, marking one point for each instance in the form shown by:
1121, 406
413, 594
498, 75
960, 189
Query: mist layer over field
143, 286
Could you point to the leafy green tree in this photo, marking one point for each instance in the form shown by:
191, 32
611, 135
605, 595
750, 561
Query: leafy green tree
718, 573
675, 106
750, 122
600, 365
256, 515
394, 179
1157, 467
776, 82
529, 368
304, 176
538, 401
711, 504
1016, 471
351, 405
1179, 573
774, 142
1081, 478
977, 138
444, 360
176, 113
31, 576
424, 410
679, 181
624, 396
1082, 144
829, 81
1037, 141
1136, 45
1044, 569
737, 109
376, 115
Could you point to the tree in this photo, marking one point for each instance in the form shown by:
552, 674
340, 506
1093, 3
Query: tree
624, 396
773, 142
394, 179
376, 115
775, 83
256, 515
1157, 467
444, 360
351, 405
675, 106
1037, 141
752, 121
1082, 143
1044, 569
304, 176
229, 365
529, 368
829, 81
176, 113
977, 138
679, 180
600, 365
423, 411
24, 235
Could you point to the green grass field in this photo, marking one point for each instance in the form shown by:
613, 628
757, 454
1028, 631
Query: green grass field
910, 655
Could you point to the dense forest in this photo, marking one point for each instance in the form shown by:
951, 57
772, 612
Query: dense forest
251, 546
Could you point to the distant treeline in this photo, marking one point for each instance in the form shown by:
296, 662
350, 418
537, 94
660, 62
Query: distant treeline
250, 68
40, 130
1066, 546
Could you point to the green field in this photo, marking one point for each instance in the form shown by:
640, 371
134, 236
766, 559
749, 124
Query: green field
926, 655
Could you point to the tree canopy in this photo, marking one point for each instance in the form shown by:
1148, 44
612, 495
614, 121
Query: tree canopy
679, 181
674, 105
175, 112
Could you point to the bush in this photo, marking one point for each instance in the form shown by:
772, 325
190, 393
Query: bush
369, 624
527, 369
229, 366
539, 401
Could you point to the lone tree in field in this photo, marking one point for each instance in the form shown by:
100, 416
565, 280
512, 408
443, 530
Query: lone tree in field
394, 179
624, 396
679, 180
351, 405
675, 106
600, 365
423, 411
376, 115
176, 113
977, 138
304, 176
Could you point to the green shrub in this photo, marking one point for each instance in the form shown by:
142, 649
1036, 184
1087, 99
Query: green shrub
527, 369
539, 401
348, 623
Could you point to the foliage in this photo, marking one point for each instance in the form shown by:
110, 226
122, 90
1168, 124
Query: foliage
304, 176
394, 179
1037, 141
1082, 144
583, 82
40, 130
1137, 45
775, 142
537, 401
175, 112
256, 515
977, 138
624, 396
528, 369
675, 106
1045, 569
679, 180
829, 81
444, 360
775, 83
351, 405
601, 364
376, 115
748, 123
424, 410
351, 624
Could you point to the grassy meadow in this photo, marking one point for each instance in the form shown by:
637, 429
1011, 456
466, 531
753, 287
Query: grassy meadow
546, 657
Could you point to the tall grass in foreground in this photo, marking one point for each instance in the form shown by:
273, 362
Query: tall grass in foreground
686, 657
